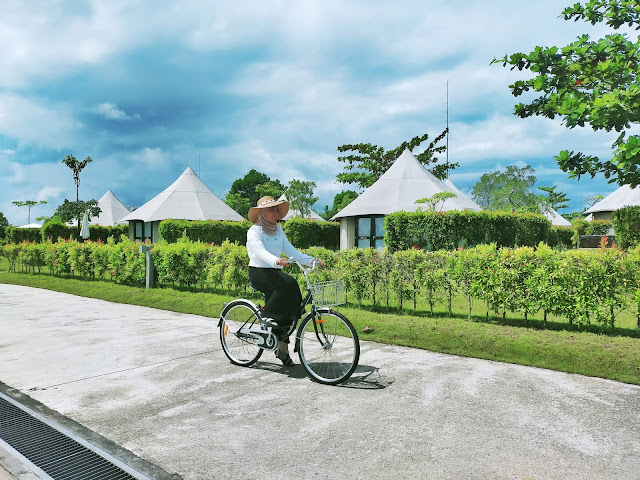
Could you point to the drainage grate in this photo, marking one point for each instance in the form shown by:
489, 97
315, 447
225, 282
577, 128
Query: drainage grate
52, 450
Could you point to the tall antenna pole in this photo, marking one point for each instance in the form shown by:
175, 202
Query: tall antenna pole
447, 128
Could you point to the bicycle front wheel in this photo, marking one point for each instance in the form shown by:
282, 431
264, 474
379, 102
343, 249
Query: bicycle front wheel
329, 348
240, 349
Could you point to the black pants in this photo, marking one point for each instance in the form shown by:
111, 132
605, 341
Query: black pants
282, 296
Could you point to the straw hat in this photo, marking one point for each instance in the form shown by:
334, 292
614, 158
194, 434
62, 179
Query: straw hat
267, 202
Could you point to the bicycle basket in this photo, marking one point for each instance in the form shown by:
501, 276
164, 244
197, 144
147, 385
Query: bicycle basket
327, 294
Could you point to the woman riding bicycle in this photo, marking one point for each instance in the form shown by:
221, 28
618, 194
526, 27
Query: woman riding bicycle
266, 242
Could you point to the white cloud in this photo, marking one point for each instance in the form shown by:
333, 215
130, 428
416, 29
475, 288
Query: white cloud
50, 194
151, 157
34, 122
112, 112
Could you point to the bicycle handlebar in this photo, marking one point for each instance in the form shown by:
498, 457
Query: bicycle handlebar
311, 268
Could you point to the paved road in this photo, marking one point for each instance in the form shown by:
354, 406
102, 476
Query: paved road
157, 384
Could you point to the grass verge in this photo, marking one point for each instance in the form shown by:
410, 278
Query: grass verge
613, 356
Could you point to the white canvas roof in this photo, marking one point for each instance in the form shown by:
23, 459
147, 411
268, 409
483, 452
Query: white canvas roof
296, 213
31, 225
625, 196
112, 210
399, 187
186, 199
556, 219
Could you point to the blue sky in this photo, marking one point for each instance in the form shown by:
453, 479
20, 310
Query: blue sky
148, 88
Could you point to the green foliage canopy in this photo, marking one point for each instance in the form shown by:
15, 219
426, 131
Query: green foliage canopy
300, 196
556, 200
371, 161
589, 82
340, 201
509, 190
246, 191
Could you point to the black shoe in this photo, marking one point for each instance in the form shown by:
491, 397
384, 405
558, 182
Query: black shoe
285, 359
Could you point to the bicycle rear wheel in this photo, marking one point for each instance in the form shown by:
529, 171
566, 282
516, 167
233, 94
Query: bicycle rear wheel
240, 349
329, 348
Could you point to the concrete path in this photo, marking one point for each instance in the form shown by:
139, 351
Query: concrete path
157, 384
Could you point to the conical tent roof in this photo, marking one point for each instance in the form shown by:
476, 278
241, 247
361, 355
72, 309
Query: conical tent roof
188, 199
625, 196
296, 213
556, 219
112, 210
399, 187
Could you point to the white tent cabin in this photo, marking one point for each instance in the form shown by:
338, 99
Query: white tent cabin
625, 196
557, 219
112, 211
185, 199
293, 213
407, 180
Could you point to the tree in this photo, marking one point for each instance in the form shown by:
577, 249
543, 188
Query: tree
246, 191
300, 196
340, 201
76, 166
79, 208
436, 201
556, 200
592, 200
509, 190
3, 224
28, 203
69, 210
589, 83
372, 161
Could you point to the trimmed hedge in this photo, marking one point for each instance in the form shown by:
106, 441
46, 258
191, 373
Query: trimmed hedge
55, 229
19, 235
626, 222
450, 230
206, 231
305, 233
560, 237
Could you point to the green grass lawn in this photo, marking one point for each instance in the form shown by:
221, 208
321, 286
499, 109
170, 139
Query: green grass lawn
612, 354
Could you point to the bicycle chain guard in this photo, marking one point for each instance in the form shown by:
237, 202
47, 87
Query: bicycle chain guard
260, 338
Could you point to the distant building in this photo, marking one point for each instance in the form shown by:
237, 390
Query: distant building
625, 196
185, 199
407, 180
112, 211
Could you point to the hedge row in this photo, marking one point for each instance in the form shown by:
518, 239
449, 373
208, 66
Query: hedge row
55, 229
433, 231
582, 286
303, 233
121, 261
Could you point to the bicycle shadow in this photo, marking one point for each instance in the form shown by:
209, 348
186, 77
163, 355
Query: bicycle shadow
365, 377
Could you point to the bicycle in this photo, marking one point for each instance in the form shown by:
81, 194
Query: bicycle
326, 341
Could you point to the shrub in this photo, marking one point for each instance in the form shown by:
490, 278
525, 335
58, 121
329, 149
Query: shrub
18, 235
206, 231
305, 233
450, 230
626, 222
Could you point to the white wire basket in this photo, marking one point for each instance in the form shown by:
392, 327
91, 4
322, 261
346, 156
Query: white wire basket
327, 294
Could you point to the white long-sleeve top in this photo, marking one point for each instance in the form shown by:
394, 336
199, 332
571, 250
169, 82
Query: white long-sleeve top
265, 250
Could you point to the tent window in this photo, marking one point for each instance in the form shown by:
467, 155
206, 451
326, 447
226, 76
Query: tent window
142, 231
370, 232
